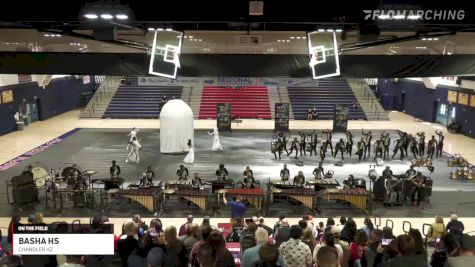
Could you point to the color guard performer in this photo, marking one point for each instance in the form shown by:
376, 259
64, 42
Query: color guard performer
339, 147
368, 137
277, 147
328, 133
414, 149
285, 174
135, 147
323, 152
132, 134
378, 148
360, 146
386, 144
431, 146
399, 146
440, 143
349, 142
294, 145
422, 143
303, 141
182, 173
313, 143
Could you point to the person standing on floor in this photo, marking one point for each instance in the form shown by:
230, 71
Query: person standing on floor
368, 137
190, 157
349, 142
328, 133
360, 146
386, 143
340, 146
440, 144
422, 143
132, 134
431, 145
294, 145
303, 141
216, 143
135, 147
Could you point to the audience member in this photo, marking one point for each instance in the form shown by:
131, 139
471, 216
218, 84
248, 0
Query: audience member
328, 241
294, 252
262, 224
192, 239
283, 233
330, 224
357, 247
204, 237
455, 226
390, 253
206, 223
337, 233
303, 224
251, 255
309, 239
406, 247
439, 256
74, 261
10, 261
419, 244
156, 257
466, 256
327, 257
224, 258
175, 253
189, 221
268, 256
349, 231
371, 251
206, 256
388, 233
247, 239
278, 224
436, 230
342, 223
368, 226
128, 242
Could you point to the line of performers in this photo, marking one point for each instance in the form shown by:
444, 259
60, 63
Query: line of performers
381, 147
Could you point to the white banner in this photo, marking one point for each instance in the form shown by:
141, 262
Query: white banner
63, 244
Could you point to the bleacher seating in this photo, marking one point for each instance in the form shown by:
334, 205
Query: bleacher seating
133, 101
324, 96
246, 102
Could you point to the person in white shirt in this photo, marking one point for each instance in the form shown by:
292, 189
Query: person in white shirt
132, 134
294, 252
135, 147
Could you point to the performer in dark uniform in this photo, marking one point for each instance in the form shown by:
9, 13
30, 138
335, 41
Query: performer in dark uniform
349, 182
387, 173
405, 140
182, 173
285, 174
410, 173
318, 172
419, 184
431, 145
440, 143
277, 148
399, 146
294, 145
114, 170
303, 141
313, 144
248, 180
328, 133
339, 147
147, 177
349, 142
368, 138
196, 182
360, 146
378, 148
75, 180
422, 143
386, 144
393, 189
221, 173
299, 180
414, 149
323, 152
284, 143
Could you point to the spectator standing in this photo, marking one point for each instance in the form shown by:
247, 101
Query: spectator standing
466, 256
436, 230
407, 257
252, 254
357, 247
247, 238
455, 226
268, 256
189, 221
309, 239
328, 241
175, 251
283, 233
128, 242
294, 252
327, 257
263, 225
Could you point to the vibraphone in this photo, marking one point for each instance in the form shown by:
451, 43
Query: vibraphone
198, 197
358, 197
304, 195
146, 197
324, 184
255, 196
179, 184
282, 185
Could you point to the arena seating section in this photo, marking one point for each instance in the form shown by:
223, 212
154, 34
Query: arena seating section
246, 102
324, 97
134, 101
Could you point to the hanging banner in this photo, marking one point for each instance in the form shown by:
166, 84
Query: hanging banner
281, 117
340, 118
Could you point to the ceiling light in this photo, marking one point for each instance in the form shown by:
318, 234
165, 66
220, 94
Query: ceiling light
329, 30
191, 36
91, 16
383, 17
423, 39
305, 37
159, 29
338, 30
287, 41
200, 40
7, 43
121, 16
449, 53
298, 37
151, 29
435, 39
168, 29
429, 39
321, 30
106, 16
57, 35
399, 17
278, 41
291, 37
46, 35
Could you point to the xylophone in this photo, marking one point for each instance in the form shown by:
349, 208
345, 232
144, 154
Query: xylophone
324, 184
355, 196
146, 197
198, 197
303, 195
255, 196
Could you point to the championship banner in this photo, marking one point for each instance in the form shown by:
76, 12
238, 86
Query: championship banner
340, 118
63, 239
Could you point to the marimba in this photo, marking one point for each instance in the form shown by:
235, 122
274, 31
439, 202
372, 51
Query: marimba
304, 195
282, 185
255, 196
358, 197
220, 184
146, 197
324, 184
179, 184
198, 197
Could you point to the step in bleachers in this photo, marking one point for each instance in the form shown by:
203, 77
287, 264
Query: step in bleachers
324, 96
246, 102
132, 101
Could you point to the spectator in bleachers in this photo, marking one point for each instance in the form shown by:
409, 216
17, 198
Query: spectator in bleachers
204, 236
419, 244
268, 256
320, 229
308, 238
224, 258
466, 253
283, 233
192, 238
389, 254
337, 234
175, 256
206, 223
368, 226
310, 224
262, 225
330, 224
10, 261
309, 115
357, 247
371, 250
388, 233
156, 226
342, 223
189, 221
314, 113
407, 257
205, 256
356, 104
156, 257
237, 230
440, 254
252, 254
278, 224
141, 225
247, 238
74, 261
128, 242
436, 230
294, 252
327, 257
303, 223
328, 241
349, 231
455, 226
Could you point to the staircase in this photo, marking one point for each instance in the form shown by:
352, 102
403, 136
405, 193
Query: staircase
98, 104
368, 101
279, 95
192, 96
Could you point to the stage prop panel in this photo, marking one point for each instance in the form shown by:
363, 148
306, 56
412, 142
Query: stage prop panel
223, 117
176, 127
340, 118
282, 117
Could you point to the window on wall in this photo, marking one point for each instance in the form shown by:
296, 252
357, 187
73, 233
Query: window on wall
442, 109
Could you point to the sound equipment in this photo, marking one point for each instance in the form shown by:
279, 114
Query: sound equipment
379, 190
24, 189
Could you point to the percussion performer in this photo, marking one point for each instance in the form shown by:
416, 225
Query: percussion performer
114, 170
248, 180
349, 182
313, 144
303, 141
196, 182
386, 143
294, 145
361, 146
182, 173
368, 137
285, 174
221, 173
323, 152
394, 191
422, 143
277, 147
387, 173
419, 183
440, 143
132, 134
147, 177
410, 172
299, 180
135, 147
339, 147
431, 145
328, 133
378, 148
75, 178
399, 146
28, 171
319, 172
349, 142
414, 149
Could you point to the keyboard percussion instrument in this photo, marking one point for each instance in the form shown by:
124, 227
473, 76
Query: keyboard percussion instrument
254, 196
358, 197
147, 197
305, 196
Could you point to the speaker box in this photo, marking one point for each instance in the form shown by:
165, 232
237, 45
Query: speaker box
25, 194
23, 179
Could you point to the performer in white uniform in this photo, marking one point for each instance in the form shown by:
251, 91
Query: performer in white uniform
132, 134
190, 157
216, 144
135, 145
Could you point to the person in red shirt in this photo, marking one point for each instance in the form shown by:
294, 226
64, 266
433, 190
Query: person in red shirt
357, 247
189, 220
